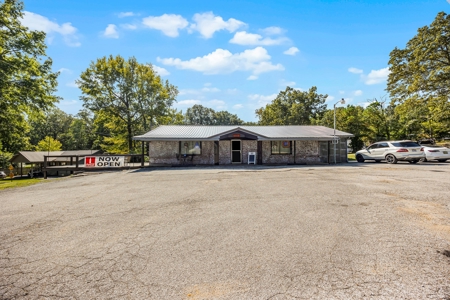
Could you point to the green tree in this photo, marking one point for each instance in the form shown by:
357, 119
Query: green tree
293, 107
381, 121
420, 78
199, 115
129, 92
55, 123
49, 144
81, 134
225, 118
349, 119
27, 82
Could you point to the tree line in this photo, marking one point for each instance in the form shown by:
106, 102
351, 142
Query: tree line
123, 98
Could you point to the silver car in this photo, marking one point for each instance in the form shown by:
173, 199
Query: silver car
439, 153
392, 152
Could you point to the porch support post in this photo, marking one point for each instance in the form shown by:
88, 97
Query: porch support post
45, 167
143, 154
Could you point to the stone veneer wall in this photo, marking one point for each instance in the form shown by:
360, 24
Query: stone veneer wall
268, 158
165, 153
248, 146
307, 152
224, 152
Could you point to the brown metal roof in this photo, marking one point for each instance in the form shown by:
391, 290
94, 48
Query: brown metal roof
34, 157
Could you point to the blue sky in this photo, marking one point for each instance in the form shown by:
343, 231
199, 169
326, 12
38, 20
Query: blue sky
235, 55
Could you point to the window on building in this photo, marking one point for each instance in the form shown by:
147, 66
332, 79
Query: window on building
281, 147
194, 148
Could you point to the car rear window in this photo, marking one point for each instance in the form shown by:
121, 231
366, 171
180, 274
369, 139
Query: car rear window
406, 144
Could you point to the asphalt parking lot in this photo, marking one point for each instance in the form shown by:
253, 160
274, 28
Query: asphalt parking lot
355, 231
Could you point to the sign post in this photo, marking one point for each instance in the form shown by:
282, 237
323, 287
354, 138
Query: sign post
11, 173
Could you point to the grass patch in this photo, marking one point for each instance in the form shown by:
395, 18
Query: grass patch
351, 156
18, 182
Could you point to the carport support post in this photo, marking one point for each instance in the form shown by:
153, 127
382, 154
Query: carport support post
143, 154
45, 167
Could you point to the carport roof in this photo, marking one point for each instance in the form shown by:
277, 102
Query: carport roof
38, 156
213, 133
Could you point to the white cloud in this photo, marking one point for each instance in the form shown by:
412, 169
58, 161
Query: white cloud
232, 91
342, 92
330, 98
239, 106
37, 22
189, 102
207, 24
208, 84
168, 24
291, 51
189, 92
217, 104
273, 30
126, 14
128, 26
377, 76
252, 77
357, 93
161, 71
72, 84
65, 70
67, 102
285, 83
111, 32
262, 100
223, 61
210, 89
253, 39
355, 70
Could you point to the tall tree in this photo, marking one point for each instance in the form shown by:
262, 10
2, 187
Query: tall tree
380, 120
199, 115
225, 118
49, 144
293, 107
27, 82
420, 76
131, 93
349, 119
54, 123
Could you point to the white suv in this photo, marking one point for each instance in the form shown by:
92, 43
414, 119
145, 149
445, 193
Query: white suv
392, 151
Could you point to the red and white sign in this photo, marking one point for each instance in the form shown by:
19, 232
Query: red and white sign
104, 161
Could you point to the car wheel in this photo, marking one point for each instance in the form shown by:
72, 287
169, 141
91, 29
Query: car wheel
423, 159
442, 160
413, 161
360, 158
391, 159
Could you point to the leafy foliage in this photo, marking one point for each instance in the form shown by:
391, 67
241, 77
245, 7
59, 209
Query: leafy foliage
201, 115
49, 144
129, 92
27, 82
420, 80
293, 107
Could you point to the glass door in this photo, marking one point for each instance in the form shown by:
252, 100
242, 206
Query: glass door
236, 156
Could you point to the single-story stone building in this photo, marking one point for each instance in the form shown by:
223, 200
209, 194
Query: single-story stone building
224, 145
